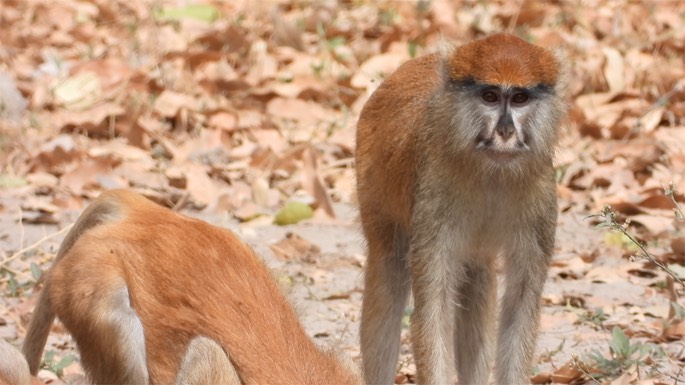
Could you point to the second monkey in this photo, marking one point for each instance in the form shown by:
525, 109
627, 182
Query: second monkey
454, 169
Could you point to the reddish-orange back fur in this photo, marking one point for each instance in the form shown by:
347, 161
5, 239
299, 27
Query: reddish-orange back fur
187, 278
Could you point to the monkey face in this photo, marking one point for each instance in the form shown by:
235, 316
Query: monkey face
502, 123
507, 113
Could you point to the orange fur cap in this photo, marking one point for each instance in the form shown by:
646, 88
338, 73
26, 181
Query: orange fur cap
504, 59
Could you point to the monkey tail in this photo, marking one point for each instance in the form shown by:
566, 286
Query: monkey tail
37, 333
106, 208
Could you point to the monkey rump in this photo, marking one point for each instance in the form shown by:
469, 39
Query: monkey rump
504, 59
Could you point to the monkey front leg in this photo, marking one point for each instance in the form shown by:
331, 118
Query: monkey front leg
432, 319
474, 323
520, 313
386, 290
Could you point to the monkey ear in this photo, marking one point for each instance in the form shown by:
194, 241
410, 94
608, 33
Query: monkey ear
444, 49
561, 57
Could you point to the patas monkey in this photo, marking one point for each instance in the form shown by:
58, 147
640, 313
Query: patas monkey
134, 283
454, 169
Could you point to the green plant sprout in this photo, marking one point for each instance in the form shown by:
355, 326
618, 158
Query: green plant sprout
595, 318
622, 356
56, 367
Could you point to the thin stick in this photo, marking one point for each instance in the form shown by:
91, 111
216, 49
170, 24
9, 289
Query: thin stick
610, 221
670, 192
35, 245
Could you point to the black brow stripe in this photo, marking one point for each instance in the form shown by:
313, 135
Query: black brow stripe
470, 84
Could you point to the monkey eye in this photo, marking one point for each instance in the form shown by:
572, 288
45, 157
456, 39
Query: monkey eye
489, 97
520, 98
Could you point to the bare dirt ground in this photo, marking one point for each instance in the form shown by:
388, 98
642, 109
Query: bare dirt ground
229, 110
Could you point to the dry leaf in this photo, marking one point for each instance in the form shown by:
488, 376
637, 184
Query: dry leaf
372, 71
79, 91
88, 175
678, 245
223, 121
92, 120
541, 378
313, 184
614, 71
295, 247
657, 225
200, 186
650, 120
675, 332
170, 103
567, 374
627, 378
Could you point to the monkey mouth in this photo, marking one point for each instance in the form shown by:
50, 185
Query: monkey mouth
501, 151
502, 156
495, 147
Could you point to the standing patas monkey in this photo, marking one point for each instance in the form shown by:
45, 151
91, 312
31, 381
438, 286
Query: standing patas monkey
151, 296
454, 169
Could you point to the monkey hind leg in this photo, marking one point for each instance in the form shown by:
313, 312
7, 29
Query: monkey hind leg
386, 288
96, 310
13, 367
474, 325
205, 362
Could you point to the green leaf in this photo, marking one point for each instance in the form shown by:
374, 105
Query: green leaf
49, 356
614, 238
292, 213
337, 41
64, 362
412, 47
202, 12
13, 286
36, 272
620, 344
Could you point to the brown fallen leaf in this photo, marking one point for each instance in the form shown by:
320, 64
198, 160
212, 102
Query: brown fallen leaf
294, 247
678, 245
614, 70
93, 120
79, 91
627, 378
247, 211
201, 187
567, 374
401, 379
170, 103
313, 183
675, 332
87, 174
541, 378
657, 225
223, 120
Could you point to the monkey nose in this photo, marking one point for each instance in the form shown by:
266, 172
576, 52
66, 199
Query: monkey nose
505, 126
505, 131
